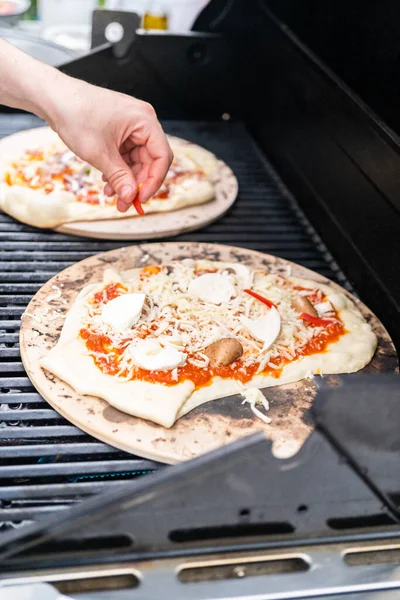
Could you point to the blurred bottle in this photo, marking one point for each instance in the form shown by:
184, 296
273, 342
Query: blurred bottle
155, 16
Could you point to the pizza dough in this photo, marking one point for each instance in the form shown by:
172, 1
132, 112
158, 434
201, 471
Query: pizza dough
27, 171
182, 313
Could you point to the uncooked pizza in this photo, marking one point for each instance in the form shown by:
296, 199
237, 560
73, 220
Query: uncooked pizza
158, 341
47, 185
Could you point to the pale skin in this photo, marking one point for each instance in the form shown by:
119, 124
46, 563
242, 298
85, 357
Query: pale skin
119, 135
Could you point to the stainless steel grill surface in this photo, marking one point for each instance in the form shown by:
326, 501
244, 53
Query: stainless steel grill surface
46, 464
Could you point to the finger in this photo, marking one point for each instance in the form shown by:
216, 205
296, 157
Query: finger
120, 178
160, 155
127, 145
108, 190
141, 162
127, 158
157, 171
104, 178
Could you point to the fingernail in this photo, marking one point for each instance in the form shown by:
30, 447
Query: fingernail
126, 193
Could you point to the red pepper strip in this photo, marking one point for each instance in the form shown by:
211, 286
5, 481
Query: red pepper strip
315, 320
261, 298
138, 205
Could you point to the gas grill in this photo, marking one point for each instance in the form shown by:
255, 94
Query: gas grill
317, 173
48, 464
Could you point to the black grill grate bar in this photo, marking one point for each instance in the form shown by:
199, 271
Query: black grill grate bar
277, 242
40, 450
47, 432
31, 514
10, 324
18, 287
29, 415
11, 367
60, 489
15, 382
8, 337
9, 352
15, 299
11, 311
41, 267
23, 276
28, 398
77, 468
276, 231
295, 247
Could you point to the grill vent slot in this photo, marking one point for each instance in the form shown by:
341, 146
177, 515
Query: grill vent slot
385, 556
97, 584
360, 522
238, 570
225, 531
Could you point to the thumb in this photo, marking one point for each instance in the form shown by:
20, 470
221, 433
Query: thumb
121, 179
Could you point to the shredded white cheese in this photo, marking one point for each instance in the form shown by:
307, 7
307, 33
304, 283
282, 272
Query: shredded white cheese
56, 295
176, 320
56, 315
255, 396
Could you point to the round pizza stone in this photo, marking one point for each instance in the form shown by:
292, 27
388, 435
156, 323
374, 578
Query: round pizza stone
207, 427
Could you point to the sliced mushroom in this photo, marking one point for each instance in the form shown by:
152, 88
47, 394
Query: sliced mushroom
224, 352
303, 305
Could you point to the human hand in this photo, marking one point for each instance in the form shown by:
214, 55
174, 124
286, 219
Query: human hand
119, 135
115, 133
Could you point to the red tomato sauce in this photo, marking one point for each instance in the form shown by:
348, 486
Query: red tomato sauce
320, 343
111, 291
199, 272
202, 377
92, 197
18, 178
314, 296
163, 194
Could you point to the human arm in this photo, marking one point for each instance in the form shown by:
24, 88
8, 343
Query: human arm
117, 134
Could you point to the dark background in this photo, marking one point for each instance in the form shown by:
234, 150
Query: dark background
359, 40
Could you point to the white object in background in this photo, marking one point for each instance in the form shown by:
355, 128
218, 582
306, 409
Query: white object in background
38, 591
114, 32
66, 12
73, 37
137, 6
182, 13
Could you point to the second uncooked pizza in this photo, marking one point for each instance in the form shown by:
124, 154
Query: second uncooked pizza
45, 185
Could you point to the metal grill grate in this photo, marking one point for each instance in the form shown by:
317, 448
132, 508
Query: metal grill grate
46, 464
